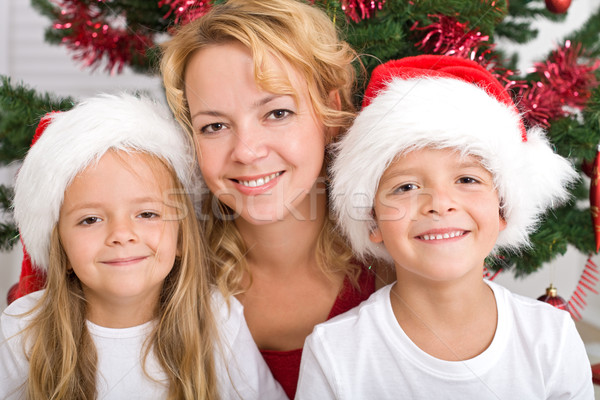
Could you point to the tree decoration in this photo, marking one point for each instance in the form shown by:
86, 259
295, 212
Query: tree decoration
551, 297
185, 10
358, 10
587, 282
564, 84
595, 198
558, 6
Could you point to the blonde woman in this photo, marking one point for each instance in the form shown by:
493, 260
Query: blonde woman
263, 87
102, 205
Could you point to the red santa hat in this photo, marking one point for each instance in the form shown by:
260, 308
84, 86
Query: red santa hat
73, 140
444, 102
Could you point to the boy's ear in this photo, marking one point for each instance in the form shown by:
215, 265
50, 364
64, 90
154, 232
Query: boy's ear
502, 224
375, 235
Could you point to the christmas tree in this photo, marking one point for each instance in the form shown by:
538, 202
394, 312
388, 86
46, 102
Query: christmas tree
561, 94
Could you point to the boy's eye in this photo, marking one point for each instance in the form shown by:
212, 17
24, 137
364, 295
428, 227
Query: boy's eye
279, 114
212, 128
90, 220
405, 188
467, 179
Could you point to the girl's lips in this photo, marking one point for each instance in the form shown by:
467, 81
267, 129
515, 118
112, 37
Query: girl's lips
124, 261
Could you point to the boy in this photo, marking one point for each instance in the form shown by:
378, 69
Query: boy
436, 173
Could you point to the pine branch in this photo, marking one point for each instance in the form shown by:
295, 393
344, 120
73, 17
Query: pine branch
20, 111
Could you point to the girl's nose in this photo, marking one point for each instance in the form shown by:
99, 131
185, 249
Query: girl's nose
121, 232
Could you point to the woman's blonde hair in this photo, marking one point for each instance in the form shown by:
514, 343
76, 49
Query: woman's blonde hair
292, 33
62, 356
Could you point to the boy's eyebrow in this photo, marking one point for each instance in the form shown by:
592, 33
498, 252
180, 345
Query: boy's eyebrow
408, 171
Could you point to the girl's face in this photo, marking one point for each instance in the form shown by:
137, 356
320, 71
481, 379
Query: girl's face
260, 153
437, 214
118, 234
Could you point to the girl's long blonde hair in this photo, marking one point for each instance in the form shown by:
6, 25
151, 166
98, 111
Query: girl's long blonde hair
296, 34
62, 355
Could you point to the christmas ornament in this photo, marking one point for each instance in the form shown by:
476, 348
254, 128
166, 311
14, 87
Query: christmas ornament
587, 282
551, 297
558, 6
595, 199
564, 84
185, 10
359, 10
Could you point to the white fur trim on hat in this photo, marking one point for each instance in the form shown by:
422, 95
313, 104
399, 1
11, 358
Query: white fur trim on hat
442, 112
76, 138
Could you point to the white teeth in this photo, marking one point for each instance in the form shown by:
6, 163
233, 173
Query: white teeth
443, 236
260, 181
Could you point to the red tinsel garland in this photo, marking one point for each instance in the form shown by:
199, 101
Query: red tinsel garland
93, 38
358, 10
185, 10
564, 82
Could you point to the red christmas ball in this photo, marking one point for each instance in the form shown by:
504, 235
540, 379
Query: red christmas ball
551, 297
558, 6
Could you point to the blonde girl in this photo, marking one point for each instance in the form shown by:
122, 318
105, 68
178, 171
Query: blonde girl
263, 86
102, 203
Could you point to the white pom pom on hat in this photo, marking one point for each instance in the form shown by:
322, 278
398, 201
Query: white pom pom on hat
444, 102
74, 139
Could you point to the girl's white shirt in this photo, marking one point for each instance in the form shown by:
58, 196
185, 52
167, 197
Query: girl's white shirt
241, 370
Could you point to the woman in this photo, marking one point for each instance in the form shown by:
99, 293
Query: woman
263, 87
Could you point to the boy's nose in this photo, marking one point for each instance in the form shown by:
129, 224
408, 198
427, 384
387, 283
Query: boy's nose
437, 201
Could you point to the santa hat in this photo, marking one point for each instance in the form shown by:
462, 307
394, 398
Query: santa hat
444, 102
79, 137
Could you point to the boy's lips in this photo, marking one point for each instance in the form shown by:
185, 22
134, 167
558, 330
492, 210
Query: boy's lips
442, 234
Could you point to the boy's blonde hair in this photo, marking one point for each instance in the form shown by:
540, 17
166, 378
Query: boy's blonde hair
292, 33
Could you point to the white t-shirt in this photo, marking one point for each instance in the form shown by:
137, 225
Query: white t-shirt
536, 353
241, 370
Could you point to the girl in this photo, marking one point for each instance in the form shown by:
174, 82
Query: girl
263, 86
102, 205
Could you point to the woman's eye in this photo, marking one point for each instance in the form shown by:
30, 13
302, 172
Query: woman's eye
148, 215
90, 220
467, 179
405, 188
279, 114
212, 128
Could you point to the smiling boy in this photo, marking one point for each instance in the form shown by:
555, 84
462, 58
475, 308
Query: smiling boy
437, 173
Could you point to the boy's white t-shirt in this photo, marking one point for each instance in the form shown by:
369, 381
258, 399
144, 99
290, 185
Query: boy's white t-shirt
240, 368
536, 353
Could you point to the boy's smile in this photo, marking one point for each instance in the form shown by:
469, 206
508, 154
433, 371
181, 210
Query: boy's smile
437, 214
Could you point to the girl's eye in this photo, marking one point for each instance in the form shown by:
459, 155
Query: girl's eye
279, 114
467, 179
212, 128
90, 220
148, 215
405, 188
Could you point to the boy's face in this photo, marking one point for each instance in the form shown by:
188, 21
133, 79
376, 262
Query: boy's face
437, 214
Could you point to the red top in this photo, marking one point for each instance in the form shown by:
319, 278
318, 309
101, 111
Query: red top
285, 365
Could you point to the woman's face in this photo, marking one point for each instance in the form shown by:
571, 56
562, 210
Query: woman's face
260, 153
